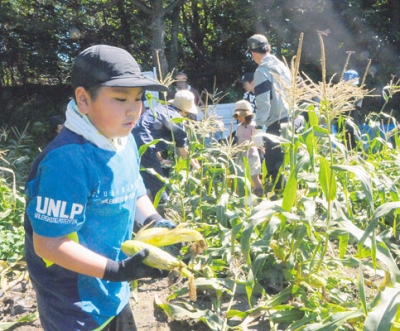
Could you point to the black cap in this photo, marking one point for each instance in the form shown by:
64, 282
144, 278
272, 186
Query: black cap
109, 66
257, 41
247, 77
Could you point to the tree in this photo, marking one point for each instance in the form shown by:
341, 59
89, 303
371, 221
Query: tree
158, 13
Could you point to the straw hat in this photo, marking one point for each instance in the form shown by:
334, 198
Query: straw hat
243, 108
184, 101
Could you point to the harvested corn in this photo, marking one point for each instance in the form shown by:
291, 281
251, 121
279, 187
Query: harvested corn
164, 237
160, 259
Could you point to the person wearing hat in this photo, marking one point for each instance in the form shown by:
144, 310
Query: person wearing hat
156, 124
245, 130
271, 78
351, 76
83, 194
181, 83
248, 85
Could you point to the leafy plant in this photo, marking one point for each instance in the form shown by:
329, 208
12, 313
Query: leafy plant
299, 262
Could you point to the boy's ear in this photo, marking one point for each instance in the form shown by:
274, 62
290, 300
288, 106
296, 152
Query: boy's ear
82, 98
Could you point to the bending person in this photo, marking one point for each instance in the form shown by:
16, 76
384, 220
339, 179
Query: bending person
156, 124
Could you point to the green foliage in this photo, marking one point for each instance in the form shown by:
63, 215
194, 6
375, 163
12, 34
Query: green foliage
17, 151
207, 39
299, 262
11, 223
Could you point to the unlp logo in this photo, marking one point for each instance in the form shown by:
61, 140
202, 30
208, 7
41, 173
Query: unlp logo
57, 208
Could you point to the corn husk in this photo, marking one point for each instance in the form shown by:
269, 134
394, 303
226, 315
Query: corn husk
160, 259
164, 237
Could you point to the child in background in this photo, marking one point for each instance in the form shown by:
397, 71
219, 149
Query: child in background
244, 133
84, 193
248, 85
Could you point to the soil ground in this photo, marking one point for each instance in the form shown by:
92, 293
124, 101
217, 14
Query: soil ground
19, 300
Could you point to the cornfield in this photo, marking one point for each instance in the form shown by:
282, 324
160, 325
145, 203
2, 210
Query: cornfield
321, 255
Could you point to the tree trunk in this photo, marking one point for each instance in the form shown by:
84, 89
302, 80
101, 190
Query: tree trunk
174, 51
157, 12
158, 45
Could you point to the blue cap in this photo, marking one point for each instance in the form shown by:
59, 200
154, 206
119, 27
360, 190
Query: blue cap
351, 75
247, 77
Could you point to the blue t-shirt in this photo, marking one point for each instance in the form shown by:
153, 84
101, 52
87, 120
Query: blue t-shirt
77, 188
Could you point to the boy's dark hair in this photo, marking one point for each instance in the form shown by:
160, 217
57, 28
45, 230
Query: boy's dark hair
94, 91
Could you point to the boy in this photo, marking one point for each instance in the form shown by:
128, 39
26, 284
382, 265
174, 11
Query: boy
84, 193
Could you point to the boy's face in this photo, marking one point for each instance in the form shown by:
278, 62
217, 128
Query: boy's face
115, 110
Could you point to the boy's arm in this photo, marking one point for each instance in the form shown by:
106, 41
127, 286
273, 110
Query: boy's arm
144, 209
146, 214
75, 257
70, 255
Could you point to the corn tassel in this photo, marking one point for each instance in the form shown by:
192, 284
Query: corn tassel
160, 259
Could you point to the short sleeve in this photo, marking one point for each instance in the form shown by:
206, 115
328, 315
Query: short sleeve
58, 195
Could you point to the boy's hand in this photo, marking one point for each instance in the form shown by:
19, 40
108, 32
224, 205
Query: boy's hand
157, 221
163, 223
131, 268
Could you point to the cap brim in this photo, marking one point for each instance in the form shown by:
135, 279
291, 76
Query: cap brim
146, 83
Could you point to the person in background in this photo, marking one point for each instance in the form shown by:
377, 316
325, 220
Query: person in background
351, 129
83, 195
181, 83
156, 124
272, 108
248, 84
56, 124
245, 131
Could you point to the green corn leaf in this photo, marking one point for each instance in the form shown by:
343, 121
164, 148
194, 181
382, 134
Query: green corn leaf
260, 215
343, 243
361, 288
326, 179
364, 178
221, 210
289, 196
382, 252
381, 317
182, 310
380, 212
334, 322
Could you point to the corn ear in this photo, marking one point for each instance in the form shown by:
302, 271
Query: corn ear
157, 258
164, 237
160, 259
